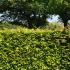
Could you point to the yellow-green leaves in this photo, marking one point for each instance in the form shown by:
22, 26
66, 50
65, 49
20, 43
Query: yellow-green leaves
34, 50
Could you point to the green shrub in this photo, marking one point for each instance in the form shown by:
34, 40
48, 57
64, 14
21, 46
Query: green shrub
21, 50
55, 26
9, 25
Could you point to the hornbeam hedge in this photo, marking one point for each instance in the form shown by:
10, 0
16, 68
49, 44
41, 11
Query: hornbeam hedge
34, 50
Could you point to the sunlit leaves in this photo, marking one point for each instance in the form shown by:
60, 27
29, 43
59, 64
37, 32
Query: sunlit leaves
34, 50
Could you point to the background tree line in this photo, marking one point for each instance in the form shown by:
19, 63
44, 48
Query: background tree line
35, 11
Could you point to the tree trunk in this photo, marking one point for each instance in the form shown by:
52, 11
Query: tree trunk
44, 18
29, 23
64, 19
65, 23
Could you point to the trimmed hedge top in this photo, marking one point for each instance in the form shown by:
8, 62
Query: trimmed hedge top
34, 50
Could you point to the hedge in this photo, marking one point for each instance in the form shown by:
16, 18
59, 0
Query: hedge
47, 50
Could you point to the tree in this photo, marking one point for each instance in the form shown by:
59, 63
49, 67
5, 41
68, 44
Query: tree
61, 8
23, 9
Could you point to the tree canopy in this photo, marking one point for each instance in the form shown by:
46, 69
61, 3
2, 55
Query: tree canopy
35, 11
23, 9
61, 8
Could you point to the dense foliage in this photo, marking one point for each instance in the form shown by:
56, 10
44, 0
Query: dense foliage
19, 10
35, 11
61, 8
34, 50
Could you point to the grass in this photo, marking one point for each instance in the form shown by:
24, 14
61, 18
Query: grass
6, 25
51, 27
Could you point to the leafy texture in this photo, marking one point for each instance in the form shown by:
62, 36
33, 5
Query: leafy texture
34, 50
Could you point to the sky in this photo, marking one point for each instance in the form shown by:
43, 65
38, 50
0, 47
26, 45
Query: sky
0, 14
54, 19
